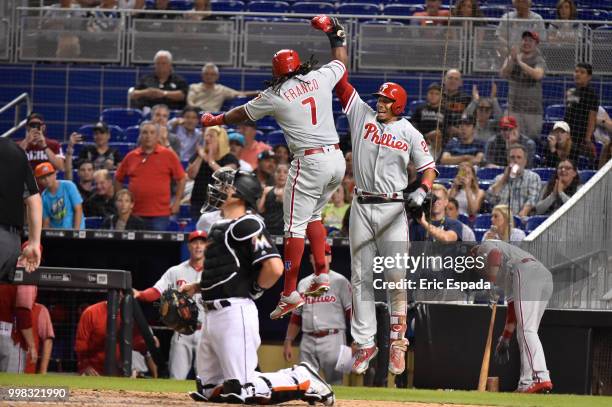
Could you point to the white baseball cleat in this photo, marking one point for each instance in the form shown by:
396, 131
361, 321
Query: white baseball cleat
319, 285
319, 391
287, 305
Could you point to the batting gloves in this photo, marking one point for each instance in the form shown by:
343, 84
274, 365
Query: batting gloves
502, 351
416, 198
211, 120
332, 27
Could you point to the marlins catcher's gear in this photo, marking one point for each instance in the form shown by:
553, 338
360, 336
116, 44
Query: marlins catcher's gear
178, 311
284, 62
396, 93
245, 184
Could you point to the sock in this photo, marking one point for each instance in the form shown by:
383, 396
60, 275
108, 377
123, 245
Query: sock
316, 233
294, 249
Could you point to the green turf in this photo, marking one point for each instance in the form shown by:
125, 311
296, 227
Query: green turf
354, 393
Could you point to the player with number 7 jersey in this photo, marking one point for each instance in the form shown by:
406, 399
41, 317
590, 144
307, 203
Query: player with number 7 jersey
300, 99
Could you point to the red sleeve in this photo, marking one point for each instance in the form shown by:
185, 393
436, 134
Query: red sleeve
494, 258
149, 295
83, 334
24, 318
344, 90
138, 343
296, 319
120, 174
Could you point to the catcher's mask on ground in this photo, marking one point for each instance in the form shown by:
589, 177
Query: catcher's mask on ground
230, 183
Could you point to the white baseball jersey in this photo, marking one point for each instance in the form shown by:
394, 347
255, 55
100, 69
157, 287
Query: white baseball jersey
302, 106
177, 276
329, 310
381, 152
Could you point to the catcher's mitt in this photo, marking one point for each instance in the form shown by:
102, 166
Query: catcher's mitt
178, 311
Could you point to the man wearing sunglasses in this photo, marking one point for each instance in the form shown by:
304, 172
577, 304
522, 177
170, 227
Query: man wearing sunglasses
38, 147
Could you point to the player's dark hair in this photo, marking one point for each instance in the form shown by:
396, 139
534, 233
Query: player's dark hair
303, 69
571, 188
587, 67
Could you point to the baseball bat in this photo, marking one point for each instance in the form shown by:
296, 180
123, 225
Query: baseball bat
484, 368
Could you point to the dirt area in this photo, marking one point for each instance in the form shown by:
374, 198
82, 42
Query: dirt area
103, 398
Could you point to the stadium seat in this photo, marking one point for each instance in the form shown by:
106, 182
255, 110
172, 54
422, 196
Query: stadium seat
173, 226
482, 221
447, 171
412, 107
547, 129
371, 102
485, 174
493, 11
93, 222
533, 222
276, 137
122, 117
263, 6
545, 173
233, 6
342, 125
546, 12
592, 15
116, 132
232, 103
180, 5
185, 211
314, 7
131, 134
554, 113
400, 10
336, 106
464, 219
360, 9
479, 234
586, 175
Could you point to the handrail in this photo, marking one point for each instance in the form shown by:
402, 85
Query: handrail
15, 102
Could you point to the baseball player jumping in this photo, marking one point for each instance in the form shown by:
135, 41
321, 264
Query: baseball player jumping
384, 144
300, 99
241, 262
182, 347
528, 286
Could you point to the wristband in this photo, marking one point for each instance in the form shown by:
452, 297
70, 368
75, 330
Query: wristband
507, 334
336, 41
426, 185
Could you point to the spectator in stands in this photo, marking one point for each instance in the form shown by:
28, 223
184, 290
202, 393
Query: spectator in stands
565, 30
559, 144
333, 211
187, 132
38, 147
236, 142
123, 219
466, 8
266, 165
161, 5
432, 9
100, 153
559, 189
464, 148
509, 32
581, 106
502, 226
213, 154
102, 203
517, 187
62, 203
200, 11
150, 169
131, 4
270, 206
160, 115
465, 190
42, 331
252, 148
487, 112
439, 227
85, 172
429, 117
454, 102
209, 95
282, 154
496, 150
604, 126
452, 212
524, 69
606, 154
162, 86
104, 21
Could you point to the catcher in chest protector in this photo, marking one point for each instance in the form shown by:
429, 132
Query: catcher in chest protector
241, 261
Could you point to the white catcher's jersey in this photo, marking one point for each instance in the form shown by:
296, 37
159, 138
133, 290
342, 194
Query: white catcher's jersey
177, 276
329, 310
381, 152
302, 107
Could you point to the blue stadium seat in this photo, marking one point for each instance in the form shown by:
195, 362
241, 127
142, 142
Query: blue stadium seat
122, 117
185, 211
383, 22
232, 103
123, 148
131, 134
233, 6
544, 173
586, 175
276, 137
342, 125
533, 222
592, 15
464, 219
484, 184
180, 5
336, 106
478, 234
173, 226
263, 6
399, 10
482, 221
518, 222
93, 222
361, 9
77, 148
314, 7
412, 107
116, 132
545, 12
485, 174
267, 121
447, 171
547, 128
371, 102
494, 11
554, 113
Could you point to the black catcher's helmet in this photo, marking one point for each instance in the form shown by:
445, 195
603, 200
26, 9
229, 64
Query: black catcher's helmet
245, 183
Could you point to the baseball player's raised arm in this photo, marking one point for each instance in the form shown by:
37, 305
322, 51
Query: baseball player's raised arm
235, 116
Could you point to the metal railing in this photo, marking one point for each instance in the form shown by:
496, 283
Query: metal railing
16, 103
376, 42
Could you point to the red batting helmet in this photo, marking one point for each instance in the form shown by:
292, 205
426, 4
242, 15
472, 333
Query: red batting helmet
396, 93
285, 61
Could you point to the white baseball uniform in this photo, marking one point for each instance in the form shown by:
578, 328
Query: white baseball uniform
182, 347
381, 154
302, 106
529, 284
323, 321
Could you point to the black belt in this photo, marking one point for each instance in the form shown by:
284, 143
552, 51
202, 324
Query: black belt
216, 305
321, 334
10, 228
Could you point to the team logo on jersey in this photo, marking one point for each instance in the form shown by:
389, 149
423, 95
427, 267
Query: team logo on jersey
387, 140
287, 264
321, 299
260, 243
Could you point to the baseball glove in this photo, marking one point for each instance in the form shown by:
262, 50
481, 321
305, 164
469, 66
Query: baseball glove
178, 311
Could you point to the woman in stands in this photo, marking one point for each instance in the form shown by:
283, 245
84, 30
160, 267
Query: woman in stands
282, 154
124, 220
502, 226
561, 186
564, 30
559, 145
270, 206
466, 191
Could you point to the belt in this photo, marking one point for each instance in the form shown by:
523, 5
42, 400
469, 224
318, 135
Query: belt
216, 305
321, 334
321, 149
10, 228
391, 195
527, 260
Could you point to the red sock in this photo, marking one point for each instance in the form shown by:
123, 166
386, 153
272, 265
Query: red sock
316, 234
294, 249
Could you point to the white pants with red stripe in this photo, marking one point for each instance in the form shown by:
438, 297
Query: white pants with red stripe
12, 357
375, 230
532, 287
311, 182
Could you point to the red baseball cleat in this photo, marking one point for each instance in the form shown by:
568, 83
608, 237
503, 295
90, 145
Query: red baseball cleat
319, 285
363, 357
397, 356
287, 304
540, 387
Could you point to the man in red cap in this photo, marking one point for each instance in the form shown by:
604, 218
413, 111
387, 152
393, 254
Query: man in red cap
183, 347
524, 69
496, 150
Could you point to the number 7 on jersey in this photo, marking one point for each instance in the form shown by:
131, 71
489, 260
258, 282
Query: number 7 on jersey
313, 108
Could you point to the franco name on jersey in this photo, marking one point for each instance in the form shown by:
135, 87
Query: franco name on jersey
300, 89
